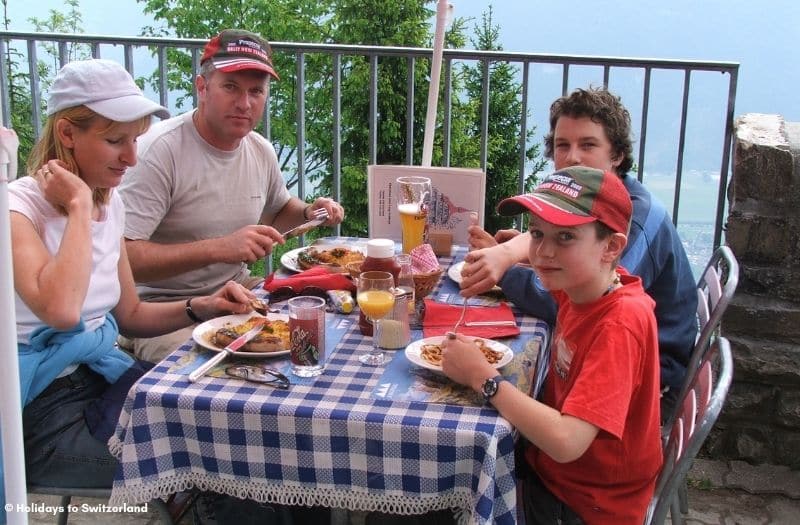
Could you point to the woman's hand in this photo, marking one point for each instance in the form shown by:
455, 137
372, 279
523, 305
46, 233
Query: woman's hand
63, 189
233, 298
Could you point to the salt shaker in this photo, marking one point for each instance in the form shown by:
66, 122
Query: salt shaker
393, 330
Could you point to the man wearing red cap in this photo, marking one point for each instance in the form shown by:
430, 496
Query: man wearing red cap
595, 440
207, 196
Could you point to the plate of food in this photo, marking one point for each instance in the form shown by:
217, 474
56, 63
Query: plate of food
273, 340
427, 352
454, 273
331, 256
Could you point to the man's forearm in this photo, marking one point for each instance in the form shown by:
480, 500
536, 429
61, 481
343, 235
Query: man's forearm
289, 216
151, 261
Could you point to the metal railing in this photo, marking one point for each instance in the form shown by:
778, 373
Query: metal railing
619, 74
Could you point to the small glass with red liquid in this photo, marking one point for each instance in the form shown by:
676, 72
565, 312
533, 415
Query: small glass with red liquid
307, 334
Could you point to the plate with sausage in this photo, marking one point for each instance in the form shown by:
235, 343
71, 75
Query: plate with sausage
334, 257
272, 340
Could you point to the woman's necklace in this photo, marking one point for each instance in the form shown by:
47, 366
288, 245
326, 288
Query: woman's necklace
613, 284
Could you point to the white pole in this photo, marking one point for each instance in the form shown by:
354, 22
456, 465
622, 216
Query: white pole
10, 411
442, 10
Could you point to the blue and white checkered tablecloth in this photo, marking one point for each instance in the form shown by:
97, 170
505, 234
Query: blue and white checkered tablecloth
326, 441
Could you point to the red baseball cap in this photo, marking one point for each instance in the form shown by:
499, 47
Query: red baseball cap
574, 196
237, 50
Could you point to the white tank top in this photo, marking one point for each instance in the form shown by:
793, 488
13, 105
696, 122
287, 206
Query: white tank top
26, 198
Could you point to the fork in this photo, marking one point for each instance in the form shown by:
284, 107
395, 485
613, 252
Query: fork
318, 216
463, 314
318, 213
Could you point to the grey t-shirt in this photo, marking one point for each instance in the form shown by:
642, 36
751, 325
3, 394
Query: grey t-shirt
183, 189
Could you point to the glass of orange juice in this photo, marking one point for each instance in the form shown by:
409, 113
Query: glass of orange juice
412, 197
375, 297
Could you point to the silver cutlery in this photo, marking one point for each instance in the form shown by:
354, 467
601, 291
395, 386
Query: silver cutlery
490, 323
318, 216
230, 349
463, 314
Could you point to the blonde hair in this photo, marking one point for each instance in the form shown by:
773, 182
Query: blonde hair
49, 147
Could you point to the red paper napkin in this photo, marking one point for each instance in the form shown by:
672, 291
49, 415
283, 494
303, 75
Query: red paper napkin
440, 319
318, 276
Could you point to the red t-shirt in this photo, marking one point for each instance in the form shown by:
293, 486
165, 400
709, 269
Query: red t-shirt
604, 370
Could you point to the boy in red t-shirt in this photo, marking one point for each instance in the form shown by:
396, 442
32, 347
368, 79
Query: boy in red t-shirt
595, 440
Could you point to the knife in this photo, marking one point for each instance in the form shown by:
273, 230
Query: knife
235, 345
491, 323
319, 218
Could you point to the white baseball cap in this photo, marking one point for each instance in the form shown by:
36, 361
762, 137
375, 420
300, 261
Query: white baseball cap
103, 86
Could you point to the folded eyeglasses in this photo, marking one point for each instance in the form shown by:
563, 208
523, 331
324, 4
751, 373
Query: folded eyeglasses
259, 374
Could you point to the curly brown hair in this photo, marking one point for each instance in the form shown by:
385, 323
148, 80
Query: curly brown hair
602, 107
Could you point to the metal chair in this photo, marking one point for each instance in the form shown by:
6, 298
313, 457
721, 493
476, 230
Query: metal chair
715, 289
67, 494
700, 405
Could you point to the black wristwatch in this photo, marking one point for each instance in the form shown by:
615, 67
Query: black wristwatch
490, 387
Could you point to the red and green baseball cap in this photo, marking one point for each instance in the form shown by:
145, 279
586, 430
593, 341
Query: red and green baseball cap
574, 196
237, 50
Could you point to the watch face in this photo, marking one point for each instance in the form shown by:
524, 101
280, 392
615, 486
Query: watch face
489, 388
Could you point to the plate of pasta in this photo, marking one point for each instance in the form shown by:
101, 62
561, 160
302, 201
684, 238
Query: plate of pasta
427, 352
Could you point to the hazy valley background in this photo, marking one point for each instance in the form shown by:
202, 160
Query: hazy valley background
757, 35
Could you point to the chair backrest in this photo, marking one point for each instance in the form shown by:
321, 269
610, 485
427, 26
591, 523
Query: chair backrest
715, 289
714, 376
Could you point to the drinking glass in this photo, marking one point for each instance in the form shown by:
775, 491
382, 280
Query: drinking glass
307, 335
375, 298
412, 196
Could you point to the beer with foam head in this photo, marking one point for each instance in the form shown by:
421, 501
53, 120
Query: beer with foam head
412, 224
412, 196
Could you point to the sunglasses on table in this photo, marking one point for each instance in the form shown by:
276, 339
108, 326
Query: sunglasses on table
287, 292
259, 374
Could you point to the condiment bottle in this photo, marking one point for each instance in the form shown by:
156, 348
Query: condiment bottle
405, 282
380, 257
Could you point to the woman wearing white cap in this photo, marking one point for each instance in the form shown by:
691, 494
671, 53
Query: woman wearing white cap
74, 287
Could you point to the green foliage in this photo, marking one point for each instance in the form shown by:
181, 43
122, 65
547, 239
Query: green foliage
386, 23
504, 126
59, 22
282, 20
20, 98
21, 103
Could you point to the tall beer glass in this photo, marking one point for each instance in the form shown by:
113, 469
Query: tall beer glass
412, 203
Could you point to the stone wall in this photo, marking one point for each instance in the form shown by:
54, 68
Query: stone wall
760, 422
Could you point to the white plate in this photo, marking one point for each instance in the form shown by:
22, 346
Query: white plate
202, 332
289, 259
454, 272
414, 350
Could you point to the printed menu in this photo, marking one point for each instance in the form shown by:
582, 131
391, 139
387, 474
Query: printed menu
455, 193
